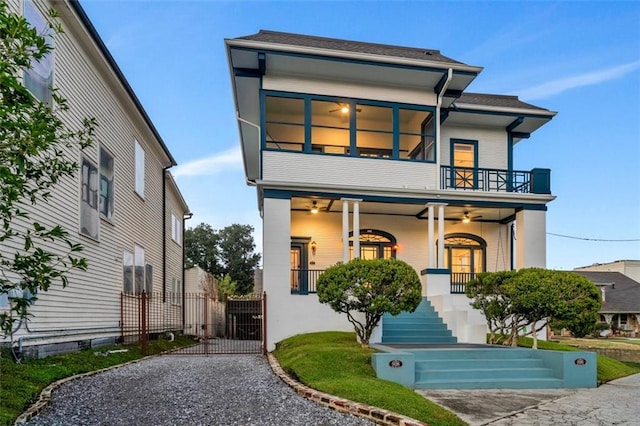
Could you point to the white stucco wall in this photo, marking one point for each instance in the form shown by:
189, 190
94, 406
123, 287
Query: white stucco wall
531, 239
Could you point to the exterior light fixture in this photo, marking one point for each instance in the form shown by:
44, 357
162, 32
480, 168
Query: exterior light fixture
314, 246
344, 110
314, 208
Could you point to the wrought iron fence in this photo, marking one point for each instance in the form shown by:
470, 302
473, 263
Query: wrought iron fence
303, 281
234, 325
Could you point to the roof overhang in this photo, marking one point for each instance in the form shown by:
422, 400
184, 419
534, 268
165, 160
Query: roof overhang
521, 122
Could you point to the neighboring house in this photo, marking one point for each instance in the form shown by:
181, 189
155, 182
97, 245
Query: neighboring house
204, 311
620, 300
376, 151
123, 206
630, 268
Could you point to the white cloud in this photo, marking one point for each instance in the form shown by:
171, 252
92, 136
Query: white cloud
554, 87
230, 159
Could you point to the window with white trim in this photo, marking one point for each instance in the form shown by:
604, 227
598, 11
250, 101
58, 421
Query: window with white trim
139, 169
89, 217
127, 272
137, 275
106, 184
38, 79
176, 229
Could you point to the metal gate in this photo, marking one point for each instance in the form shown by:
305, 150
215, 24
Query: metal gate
232, 326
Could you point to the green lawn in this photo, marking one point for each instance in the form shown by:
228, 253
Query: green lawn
21, 384
333, 362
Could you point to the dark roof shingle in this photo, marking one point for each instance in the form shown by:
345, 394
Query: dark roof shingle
623, 296
349, 46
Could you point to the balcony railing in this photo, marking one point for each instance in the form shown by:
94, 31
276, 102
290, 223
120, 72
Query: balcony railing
303, 281
459, 281
536, 181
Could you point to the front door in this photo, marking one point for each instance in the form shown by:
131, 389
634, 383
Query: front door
299, 269
465, 164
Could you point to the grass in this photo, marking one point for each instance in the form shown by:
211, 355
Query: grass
21, 384
612, 342
608, 368
335, 363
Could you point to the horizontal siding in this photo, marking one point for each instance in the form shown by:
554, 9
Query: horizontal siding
92, 297
492, 145
345, 171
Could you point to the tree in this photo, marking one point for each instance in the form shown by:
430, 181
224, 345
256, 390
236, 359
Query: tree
370, 287
201, 248
237, 256
534, 297
229, 251
35, 146
488, 295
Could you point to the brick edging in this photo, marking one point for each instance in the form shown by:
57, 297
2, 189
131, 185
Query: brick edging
45, 396
378, 415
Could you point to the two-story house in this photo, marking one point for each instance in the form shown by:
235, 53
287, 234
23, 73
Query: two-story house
376, 151
123, 205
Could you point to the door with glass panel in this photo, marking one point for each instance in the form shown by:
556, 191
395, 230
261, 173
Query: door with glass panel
299, 268
374, 244
464, 159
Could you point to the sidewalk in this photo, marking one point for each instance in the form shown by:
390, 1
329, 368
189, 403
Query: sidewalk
613, 403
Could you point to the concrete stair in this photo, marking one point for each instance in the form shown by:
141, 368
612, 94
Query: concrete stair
480, 368
423, 326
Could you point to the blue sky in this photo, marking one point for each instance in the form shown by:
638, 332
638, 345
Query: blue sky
581, 59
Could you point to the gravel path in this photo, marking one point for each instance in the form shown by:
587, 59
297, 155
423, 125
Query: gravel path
187, 390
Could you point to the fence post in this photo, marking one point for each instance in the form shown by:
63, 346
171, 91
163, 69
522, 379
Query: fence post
264, 323
122, 318
144, 325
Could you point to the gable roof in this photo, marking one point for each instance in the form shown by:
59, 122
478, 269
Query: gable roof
302, 40
506, 101
622, 294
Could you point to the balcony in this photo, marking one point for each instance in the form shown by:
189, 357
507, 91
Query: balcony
303, 281
536, 181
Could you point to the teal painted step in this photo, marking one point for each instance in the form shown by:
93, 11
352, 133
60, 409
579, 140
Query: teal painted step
423, 326
481, 368
533, 383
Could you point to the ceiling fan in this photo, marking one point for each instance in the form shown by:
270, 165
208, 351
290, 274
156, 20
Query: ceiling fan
343, 108
466, 217
315, 208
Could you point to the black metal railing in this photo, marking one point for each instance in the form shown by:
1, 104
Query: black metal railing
536, 181
459, 281
303, 281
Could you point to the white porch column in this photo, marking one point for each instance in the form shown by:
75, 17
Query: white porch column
531, 239
441, 236
345, 230
356, 228
430, 233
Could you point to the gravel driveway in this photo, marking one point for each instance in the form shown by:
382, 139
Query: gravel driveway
187, 390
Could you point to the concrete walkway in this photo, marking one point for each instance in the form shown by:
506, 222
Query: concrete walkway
614, 403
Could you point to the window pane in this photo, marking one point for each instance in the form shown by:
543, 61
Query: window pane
139, 269
89, 216
106, 184
330, 127
285, 136
148, 279
464, 164
374, 136
39, 78
416, 135
127, 272
139, 158
285, 110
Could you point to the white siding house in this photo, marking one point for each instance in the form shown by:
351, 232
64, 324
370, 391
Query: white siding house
120, 204
367, 150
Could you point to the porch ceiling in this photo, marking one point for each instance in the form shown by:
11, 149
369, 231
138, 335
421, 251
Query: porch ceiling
452, 213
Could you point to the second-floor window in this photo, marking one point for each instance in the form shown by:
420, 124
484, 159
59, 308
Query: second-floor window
106, 184
139, 171
357, 128
176, 229
89, 217
38, 79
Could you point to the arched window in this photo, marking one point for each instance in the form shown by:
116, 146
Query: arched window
464, 254
374, 244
